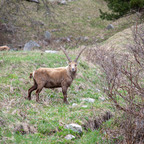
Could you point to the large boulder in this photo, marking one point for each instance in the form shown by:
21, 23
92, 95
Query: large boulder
29, 45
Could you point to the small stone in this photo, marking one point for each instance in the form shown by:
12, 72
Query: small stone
102, 98
90, 100
74, 127
2, 122
68, 39
14, 49
45, 43
51, 51
86, 38
110, 26
1, 61
84, 106
89, 17
36, 1
63, 2
97, 90
74, 105
57, 41
81, 86
47, 35
69, 137
81, 38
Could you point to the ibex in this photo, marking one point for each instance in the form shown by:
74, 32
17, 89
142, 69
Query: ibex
54, 77
4, 48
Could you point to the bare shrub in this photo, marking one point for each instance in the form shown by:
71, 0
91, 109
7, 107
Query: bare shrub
124, 77
96, 121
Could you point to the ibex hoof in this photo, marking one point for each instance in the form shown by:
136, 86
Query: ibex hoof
28, 98
37, 101
66, 102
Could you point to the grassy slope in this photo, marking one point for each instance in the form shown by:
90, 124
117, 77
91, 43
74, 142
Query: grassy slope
51, 115
77, 19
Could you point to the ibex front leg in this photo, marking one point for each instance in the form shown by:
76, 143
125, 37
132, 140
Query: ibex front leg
64, 90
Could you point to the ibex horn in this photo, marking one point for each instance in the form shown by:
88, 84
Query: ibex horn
66, 54
79, 54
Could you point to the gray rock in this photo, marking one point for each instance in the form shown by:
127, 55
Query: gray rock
47, 35
51, 51
29, 45
90, 100
110, 26
69, 137
74, 127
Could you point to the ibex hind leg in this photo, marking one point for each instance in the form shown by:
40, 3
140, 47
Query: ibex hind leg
39, 89
34, 87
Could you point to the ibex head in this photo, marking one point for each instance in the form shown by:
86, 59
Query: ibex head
72, 65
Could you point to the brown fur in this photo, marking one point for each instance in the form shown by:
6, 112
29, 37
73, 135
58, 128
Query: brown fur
30, 75
2, 48
53, 78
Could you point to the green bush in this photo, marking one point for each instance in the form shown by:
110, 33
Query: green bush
137, 4
120, 7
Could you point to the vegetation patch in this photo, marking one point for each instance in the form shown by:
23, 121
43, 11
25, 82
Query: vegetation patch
28, 121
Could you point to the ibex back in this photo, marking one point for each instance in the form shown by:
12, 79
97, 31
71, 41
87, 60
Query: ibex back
54, 77
3, 48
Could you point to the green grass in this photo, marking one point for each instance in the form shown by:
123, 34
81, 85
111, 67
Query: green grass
52, 114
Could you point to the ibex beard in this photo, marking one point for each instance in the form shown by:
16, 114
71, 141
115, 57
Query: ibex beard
54, 77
